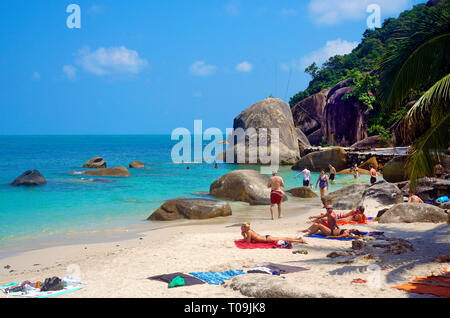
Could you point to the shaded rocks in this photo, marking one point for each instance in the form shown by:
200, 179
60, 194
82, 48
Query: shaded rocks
190, 208
429, 189
308, 115
346, 198
257, 122
303, 142
95, 163
343, 118
371, 142
379, 195
242, 185
121, 172
137, 164
413, 212
29, 178
302, 192
271, 286
396, 170
319, 160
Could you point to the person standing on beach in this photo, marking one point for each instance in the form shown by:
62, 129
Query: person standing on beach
332, 173
323, 184
373, 174
355, 171
276, 193
306, 176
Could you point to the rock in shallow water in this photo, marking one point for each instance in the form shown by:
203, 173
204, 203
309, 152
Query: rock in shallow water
109, 172
242, 185
184, 208
29, 178
95, 163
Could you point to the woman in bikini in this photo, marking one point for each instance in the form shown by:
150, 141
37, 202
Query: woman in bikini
321, 229
355, 215
323, 183
251, 236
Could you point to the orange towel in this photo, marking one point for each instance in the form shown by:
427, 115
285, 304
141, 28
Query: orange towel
434, 279
418, 288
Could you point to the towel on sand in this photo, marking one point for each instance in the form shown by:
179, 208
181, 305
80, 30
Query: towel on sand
431, 285
39, 294
344, 239
244, 245
168, 278
344, 222
215, 278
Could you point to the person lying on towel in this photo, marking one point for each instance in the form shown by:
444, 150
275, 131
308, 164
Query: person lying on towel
251, 236
323, 230
356, 215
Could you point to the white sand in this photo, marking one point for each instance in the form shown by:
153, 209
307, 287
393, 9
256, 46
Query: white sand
120, 269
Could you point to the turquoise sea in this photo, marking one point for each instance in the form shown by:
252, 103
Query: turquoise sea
76, 204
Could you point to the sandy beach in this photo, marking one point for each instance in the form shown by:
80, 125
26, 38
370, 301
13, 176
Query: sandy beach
121, 268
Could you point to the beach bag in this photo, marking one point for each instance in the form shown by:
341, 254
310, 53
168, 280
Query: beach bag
51, 284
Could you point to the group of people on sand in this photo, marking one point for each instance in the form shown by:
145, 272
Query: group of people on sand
325, 224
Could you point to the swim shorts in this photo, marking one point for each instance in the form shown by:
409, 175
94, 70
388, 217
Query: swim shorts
276, 197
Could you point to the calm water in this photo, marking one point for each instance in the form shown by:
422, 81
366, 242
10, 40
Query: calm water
71, 203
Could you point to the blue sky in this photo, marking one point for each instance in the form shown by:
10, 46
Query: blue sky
148, 67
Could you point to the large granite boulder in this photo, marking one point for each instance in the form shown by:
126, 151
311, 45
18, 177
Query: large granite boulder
346, 198
348, 171
109, 172
429, 189
308, 113
29, 178
396, 170
371, 161
272, 286
267, 114
137, 164
302, 140
242, 185
413, 212
319, 160
95, 163
380, 195
192, 208
302, 192
371, 142
343, 119
316, 137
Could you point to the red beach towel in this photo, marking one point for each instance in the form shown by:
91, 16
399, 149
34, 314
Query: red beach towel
244, 245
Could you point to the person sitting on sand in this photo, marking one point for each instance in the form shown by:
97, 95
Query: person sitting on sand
251, 236
328, 219
412, 198
276, 193
321, 229
356, 215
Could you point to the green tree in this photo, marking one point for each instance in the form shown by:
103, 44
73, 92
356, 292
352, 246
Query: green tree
420, 61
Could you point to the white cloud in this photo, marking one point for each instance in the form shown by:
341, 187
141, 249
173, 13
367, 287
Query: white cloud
96, 9
233, 8
288, 13
331, 48
107, 61
70, 71
330, 12
36, 76
200, 68
244, 67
